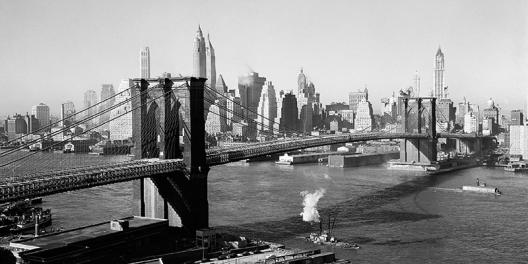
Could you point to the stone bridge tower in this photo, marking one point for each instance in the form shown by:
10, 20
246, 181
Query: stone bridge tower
163, 108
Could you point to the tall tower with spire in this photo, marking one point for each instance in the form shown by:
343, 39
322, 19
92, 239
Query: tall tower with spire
210, 64
417, 84
301, 82
144, 62
199, 54
439, 86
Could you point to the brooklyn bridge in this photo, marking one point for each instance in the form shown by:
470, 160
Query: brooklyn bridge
171, 162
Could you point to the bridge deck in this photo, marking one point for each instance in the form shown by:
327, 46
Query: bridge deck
67, 180
40, 184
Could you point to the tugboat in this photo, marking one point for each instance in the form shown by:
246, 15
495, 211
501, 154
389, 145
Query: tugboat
324, 237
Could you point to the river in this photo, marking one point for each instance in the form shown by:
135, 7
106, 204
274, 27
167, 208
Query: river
395, 216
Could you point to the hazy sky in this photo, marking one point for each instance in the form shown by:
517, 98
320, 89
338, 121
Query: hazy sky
53, 51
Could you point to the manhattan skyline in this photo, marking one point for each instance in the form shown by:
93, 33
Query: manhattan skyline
55, 51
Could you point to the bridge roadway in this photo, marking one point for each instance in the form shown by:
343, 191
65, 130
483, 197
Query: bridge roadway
35, 185
226, 155
41, 184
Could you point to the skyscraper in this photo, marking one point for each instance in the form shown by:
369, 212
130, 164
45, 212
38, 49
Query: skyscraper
216, 118
32, 124
267, 108
42, 113
306, 113
67, 114
390, 108
445, 114
492, 112
90, 99
249, 88
210, 64
354, 98
221, 88
440, 91
301, 82
279, 98
144, 63
121, 117
417, 84
199, 55
289, 114
20, 124
364, 118
516, 118
234, 113
107, 93
461, 111
470, 123
308, 105
220, 85
519, 140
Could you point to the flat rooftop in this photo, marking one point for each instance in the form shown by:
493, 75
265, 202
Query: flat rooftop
68, 237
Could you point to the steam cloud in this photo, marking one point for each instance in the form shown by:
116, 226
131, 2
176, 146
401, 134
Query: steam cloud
310, 213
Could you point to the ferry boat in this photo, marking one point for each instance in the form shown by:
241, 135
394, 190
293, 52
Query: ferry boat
517, 166
68, 148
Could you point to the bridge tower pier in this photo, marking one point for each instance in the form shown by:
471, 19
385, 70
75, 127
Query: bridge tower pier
194, 156
180, 197
419, 150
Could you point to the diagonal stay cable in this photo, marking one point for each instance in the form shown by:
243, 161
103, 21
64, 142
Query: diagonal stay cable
84, 132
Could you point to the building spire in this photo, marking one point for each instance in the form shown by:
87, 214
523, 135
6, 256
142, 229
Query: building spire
199, 33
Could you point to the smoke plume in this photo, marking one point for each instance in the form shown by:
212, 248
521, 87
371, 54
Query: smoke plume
310, 213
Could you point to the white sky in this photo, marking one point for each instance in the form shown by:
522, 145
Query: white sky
53, 51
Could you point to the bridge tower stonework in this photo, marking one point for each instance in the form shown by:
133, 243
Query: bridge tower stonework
419, 150
160, 112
